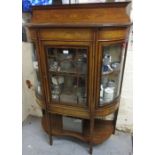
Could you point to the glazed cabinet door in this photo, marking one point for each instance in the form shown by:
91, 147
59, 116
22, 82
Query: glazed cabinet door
110, 74
67, 66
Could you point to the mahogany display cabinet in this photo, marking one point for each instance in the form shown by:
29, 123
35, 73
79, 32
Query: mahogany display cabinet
79, 54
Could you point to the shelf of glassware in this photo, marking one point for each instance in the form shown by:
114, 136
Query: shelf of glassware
111, 73
67, 67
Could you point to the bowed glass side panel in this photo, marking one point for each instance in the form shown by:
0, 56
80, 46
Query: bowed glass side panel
111, 72
38, 90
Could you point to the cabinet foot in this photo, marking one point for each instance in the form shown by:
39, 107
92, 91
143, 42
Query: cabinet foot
50, 140
90, 150
113, 132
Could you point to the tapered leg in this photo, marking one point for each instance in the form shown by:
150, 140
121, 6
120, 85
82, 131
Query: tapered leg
50, 129
91, 135
50, 140
90, 149
115, 120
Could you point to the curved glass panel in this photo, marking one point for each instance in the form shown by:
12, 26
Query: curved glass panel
111, 72
38, 90
68, 75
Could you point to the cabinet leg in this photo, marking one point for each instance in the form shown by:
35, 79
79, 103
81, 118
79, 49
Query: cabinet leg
91, 149
50, 129
113, 131
91, 135
115, 120
50, 140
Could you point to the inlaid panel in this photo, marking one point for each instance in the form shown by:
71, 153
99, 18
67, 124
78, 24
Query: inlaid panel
83, 15
66, 34
112, 34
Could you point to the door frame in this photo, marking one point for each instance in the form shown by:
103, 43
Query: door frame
90, 67
98, 66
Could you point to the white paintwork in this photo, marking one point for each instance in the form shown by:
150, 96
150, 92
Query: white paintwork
29, 104
125, 116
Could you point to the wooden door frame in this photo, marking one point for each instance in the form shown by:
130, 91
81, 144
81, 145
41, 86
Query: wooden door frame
68, 44
98, 58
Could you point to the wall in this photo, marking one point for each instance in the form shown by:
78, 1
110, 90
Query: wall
29, 105
125, 116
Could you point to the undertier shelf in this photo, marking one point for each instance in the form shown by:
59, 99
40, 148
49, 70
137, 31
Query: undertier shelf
102, 130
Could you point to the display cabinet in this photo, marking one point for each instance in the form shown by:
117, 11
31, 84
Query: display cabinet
79, 58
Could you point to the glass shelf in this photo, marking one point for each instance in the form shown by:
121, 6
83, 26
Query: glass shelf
110, 72
71, 73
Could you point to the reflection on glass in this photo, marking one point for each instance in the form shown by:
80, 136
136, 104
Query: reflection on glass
38, 85
38, 91
68, 75
111, 73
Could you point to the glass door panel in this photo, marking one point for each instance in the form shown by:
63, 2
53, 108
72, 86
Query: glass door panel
67, 69
111, 72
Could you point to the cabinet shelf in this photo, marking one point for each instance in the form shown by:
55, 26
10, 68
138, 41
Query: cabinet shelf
111, 72
74, 59
102, 130
69, 73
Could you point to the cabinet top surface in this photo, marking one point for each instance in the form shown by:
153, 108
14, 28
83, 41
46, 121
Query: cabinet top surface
81, 15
